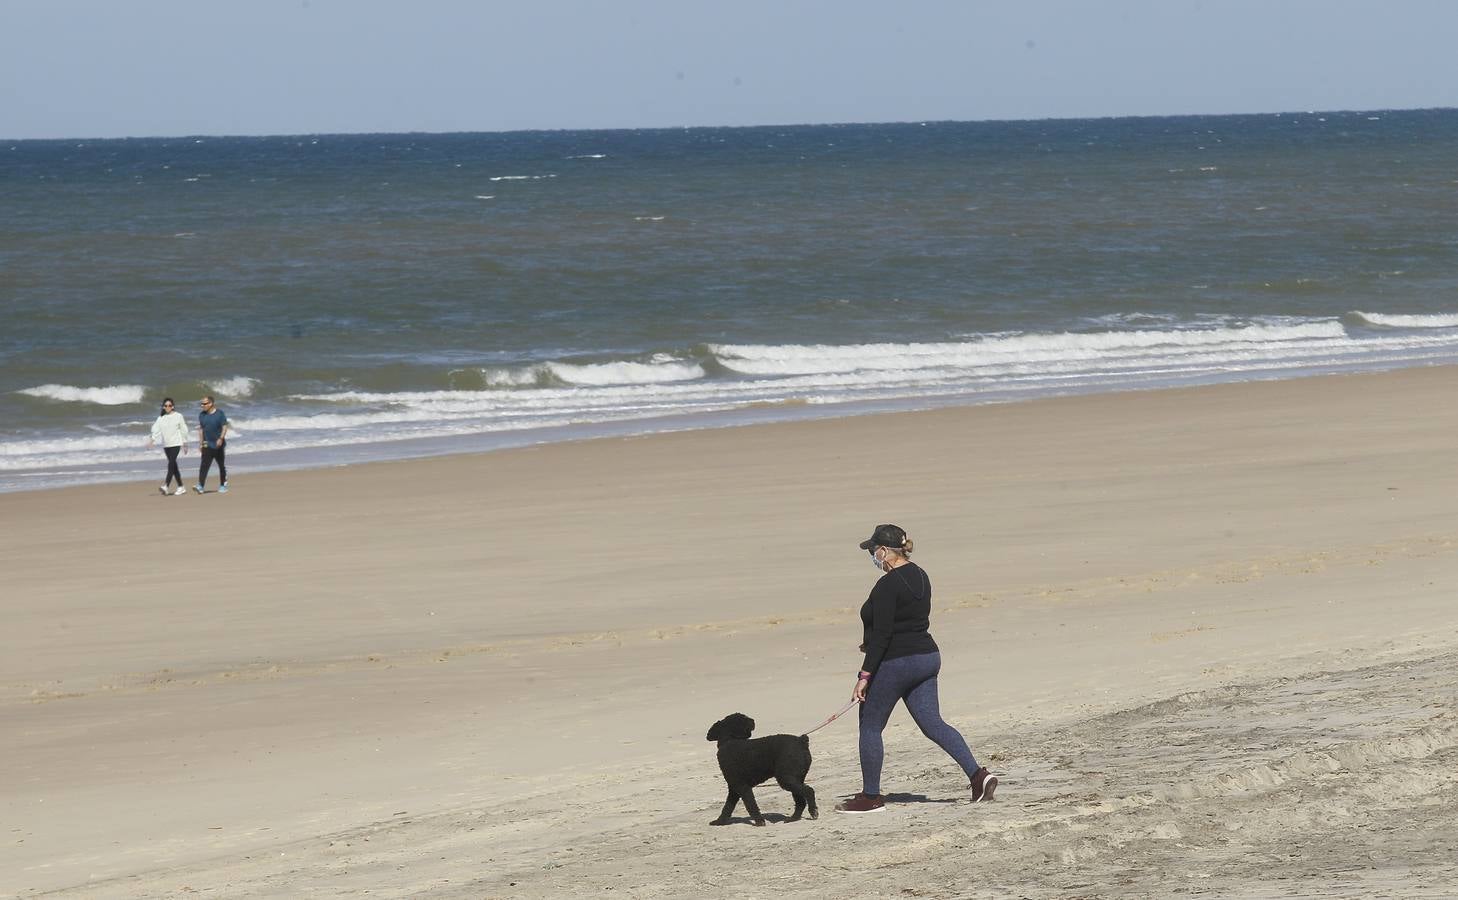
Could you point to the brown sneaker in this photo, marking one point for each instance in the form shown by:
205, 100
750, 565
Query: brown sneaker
984, 784
863, 803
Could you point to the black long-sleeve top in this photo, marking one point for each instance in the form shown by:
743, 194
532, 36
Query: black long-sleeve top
897, 616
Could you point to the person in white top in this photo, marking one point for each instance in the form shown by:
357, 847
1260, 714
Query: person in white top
170, 430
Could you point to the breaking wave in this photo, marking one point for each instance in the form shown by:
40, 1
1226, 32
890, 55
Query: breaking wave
111, 395
1401, 321
712, 381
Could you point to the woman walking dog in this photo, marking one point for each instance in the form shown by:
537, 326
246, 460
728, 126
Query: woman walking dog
901, 664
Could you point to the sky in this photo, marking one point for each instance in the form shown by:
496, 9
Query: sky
114, 68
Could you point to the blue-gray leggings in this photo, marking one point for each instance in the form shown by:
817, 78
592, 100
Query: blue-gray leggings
914, 680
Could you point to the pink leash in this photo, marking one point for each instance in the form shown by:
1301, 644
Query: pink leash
842, 711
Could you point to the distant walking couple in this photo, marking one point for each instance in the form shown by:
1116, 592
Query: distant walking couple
170, 430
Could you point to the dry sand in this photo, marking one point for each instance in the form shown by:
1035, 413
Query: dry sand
1207, 636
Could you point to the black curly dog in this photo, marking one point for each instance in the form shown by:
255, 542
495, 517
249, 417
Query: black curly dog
746, 762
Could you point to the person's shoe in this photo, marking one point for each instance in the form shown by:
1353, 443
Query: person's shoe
179, 492
984, 785
223, 488
198, 488
863, 803
162, 489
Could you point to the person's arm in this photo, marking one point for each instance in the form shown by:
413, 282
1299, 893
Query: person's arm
223, 432
156, 434
878, 638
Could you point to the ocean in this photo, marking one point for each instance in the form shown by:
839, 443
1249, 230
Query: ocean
364, 297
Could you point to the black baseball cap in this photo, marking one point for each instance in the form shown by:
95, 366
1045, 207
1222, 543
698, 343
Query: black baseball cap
886, 536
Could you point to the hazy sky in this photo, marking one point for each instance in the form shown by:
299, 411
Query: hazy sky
106, 68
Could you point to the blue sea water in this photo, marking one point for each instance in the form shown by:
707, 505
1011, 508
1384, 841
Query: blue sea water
352, 297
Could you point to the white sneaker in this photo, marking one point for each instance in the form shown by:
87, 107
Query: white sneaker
162, 489
179, 492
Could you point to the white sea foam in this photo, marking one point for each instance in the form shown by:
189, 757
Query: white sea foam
661, 369
520, 177
1401, 321
752, 359
237, 387
559, 393
626, 372
347, 418
111, 395
92, 443
527, 376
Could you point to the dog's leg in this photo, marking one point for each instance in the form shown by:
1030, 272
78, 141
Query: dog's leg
804, 796
728, 809
747, 793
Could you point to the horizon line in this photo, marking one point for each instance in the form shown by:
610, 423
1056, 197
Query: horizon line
834, 124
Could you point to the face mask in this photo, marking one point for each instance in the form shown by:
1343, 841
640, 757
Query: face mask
876, 562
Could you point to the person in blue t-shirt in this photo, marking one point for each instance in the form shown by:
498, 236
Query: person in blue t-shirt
212, 434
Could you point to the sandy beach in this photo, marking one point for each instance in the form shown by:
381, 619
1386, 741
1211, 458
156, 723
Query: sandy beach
1206, 636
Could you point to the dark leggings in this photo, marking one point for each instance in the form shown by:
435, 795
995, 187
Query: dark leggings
208, 455
912, 679
172, 470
